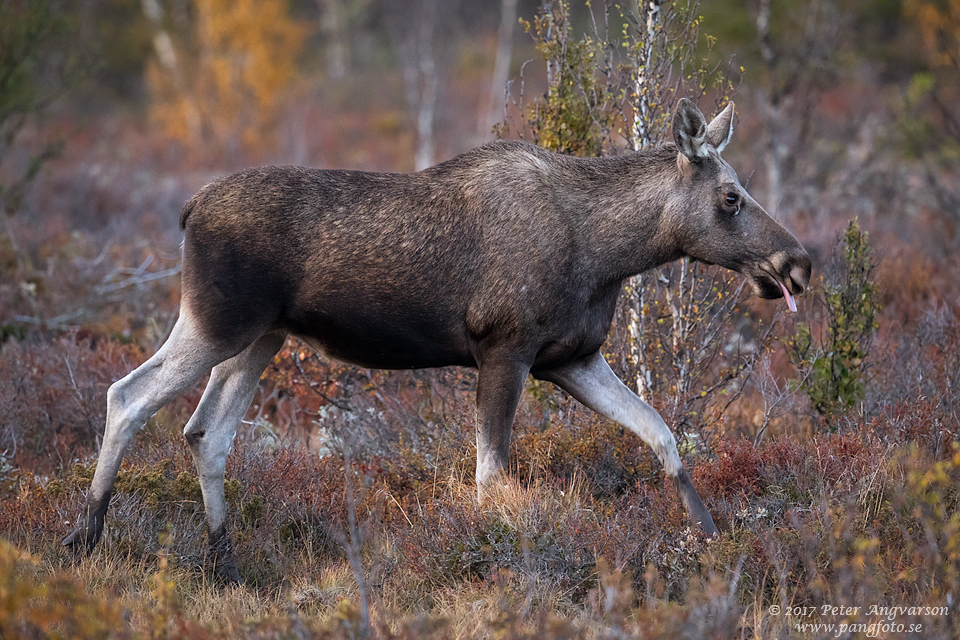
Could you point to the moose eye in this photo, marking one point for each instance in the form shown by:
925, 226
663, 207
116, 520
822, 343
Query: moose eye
731, 202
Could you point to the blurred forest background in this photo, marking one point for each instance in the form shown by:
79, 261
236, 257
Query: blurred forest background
114, 112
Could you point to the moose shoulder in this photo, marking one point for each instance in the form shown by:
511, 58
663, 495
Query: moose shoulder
507, 258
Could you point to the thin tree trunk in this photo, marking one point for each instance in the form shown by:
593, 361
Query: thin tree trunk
334, 28
423, 157
641, 126
770, 108
501, 67
413, 33
163, 45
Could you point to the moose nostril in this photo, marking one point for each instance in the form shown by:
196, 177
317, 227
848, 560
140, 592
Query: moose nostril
792, 268
800, 275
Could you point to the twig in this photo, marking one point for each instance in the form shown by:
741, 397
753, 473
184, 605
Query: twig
402, 512
136, 279
355, 544
338, 405
52, 323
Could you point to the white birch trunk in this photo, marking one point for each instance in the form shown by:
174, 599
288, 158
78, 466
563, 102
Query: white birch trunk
501, 68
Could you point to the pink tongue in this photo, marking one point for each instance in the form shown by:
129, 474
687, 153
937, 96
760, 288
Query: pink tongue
791, 303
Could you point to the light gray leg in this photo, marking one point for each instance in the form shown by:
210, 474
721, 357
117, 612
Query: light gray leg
592, 382
210, 432
182, 359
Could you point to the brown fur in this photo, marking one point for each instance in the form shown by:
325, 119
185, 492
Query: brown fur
507, 242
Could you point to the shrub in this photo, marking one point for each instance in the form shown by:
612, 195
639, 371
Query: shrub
571, 116
833, 365
55, 607
588, 448
53, 397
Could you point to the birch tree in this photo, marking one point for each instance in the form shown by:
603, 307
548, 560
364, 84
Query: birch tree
337, 23
220, 85
414, 30
797, 43
501, 67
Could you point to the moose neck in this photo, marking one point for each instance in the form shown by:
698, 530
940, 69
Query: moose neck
620, 202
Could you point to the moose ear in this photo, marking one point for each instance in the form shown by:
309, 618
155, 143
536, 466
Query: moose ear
721, 129
690, 130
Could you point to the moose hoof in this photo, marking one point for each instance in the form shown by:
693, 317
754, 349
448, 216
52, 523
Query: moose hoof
691, 499
72, 540
221, 557
83, 539
707, 525
88, 532
225, 573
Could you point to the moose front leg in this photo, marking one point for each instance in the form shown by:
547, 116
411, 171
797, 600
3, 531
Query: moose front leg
591, 381
499, 385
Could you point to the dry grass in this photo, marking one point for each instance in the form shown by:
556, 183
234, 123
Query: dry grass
842, 520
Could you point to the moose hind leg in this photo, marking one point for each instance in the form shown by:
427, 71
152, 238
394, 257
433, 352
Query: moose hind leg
592, 382
210, 432
182, 359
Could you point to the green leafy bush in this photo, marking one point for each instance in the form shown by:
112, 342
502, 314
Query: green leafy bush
570, 116
833, 361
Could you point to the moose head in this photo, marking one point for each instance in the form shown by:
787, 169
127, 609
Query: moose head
718, 222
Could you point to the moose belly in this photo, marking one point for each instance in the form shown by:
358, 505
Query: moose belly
383, 339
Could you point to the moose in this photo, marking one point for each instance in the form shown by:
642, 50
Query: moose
508, 259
